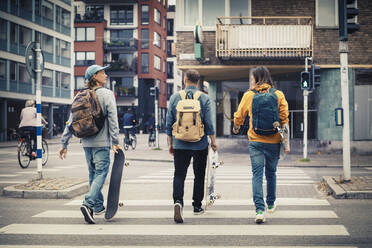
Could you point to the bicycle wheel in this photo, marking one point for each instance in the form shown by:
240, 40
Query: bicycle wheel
134, 142
23, 155
45, 150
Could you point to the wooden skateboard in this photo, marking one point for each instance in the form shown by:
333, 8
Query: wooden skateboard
213, 164
115, 183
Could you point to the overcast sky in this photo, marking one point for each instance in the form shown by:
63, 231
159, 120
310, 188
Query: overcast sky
171, 2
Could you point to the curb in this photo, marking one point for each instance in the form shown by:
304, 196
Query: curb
339, 193
68, 193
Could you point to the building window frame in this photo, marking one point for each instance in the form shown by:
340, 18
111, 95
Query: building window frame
121, 15
84, 58
145, 18
317, 15
157, 62
157, 39
145, 62
85, 33
144, 40
157, 16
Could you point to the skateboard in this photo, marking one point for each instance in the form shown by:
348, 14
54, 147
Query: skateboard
284, 134
213, 164
114, 187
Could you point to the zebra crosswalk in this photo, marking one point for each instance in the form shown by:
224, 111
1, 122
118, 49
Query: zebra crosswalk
229, 223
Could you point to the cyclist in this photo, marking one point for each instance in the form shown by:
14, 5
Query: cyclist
28, 123
129, 122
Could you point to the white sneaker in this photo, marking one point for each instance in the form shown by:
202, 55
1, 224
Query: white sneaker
178, 215
260, 217
271, 208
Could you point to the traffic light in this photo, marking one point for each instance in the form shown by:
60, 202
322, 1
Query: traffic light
345, 13
154, 91
315, 75
305, 81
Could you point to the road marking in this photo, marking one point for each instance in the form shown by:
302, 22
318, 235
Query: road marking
227, 177
48, 246
8, 161
213, 214
181, 230
12, 182
34, 172
221, 202
369, 168
8, 175
170, 180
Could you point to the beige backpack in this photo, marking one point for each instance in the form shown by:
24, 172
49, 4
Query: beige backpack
188, 126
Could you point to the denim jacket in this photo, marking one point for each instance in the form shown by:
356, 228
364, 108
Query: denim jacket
206, 117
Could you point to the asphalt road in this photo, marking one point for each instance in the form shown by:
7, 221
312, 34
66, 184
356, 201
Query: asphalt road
304, 217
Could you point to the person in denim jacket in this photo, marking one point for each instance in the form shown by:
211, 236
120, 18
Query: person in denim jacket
183, 151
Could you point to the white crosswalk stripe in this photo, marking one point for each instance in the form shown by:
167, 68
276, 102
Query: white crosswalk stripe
229, 218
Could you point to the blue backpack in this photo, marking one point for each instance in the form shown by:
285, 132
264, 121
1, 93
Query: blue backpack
265, 112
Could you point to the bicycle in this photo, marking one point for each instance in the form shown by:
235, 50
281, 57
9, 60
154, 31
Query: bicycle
131, 140
25, 150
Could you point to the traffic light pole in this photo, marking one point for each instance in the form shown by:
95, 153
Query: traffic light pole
38, 109
343, 49
306, 94
156, 121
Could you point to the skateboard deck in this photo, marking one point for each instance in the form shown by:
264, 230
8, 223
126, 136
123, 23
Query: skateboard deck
213, 164
115, 183
284, 134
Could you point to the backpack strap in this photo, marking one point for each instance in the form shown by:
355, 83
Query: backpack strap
197, 94
182, 94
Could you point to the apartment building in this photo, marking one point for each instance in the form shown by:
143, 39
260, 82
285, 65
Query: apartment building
242, 34
51, 24
130, 36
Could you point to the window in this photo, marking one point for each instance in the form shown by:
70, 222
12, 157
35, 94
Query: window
144, 62
23, 74
123, 61
94, 12
47, 78
123, 86
13, 66
326, 13
164, 23
65, 80
3, 29
169, 90
191, 12
170, 27
145, 14
66, 18
238, 8
65, 49
79, 83
170, 69
47, 9
212, 9
157, 17
47, 43
164, 65
25, 35
85, 34
122, 36
58, 79
144, 38
169, 48
157, 39
2, 69
13, 33
157, 63
121, 15
85, 58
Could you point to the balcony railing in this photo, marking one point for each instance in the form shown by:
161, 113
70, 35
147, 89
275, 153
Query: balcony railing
121, 44
125, 91
122, 66
264, 37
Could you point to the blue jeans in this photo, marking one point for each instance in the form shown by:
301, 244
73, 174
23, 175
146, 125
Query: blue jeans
264, 155
98, 160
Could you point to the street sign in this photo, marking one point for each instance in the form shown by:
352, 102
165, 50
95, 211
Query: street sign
30, 55
339, 116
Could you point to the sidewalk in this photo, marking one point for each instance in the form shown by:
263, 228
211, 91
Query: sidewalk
235, 151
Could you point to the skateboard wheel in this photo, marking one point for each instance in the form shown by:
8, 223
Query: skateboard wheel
121, 204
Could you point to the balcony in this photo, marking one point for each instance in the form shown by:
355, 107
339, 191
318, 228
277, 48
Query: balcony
89, 17
122, 44
264, 37
123, 66
125, 91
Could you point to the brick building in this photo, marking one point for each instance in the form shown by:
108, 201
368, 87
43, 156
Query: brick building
130, 36
279, 34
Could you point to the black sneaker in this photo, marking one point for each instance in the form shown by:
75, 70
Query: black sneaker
103, 210
88, 214
178, 215
198, 210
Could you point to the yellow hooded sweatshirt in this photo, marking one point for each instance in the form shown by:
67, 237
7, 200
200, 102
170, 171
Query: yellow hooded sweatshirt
245, 107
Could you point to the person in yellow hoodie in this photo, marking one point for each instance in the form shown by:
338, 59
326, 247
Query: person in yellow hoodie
264, 148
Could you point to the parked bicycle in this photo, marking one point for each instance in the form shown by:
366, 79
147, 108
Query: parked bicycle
25, 150
130, 138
